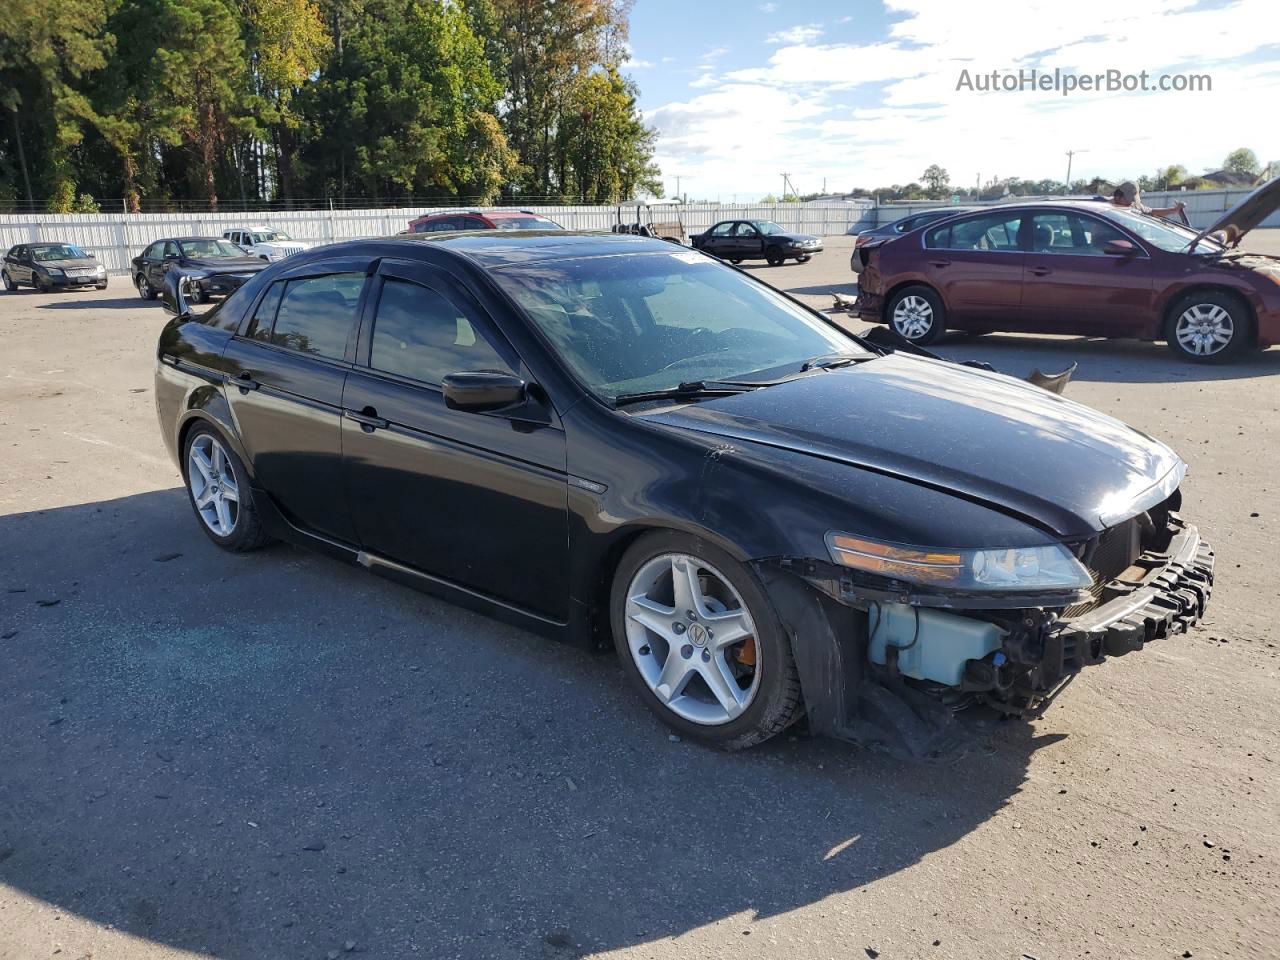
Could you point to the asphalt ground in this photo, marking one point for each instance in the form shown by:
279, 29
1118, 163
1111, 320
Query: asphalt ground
277, 755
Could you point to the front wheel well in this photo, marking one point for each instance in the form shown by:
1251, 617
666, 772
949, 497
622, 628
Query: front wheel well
1208, 288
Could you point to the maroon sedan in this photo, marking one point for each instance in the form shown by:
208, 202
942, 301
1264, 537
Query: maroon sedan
1080, 267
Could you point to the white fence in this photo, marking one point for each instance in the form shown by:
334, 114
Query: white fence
115, 238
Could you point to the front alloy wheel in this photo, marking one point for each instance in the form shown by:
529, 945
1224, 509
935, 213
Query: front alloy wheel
1207, 327
700, 639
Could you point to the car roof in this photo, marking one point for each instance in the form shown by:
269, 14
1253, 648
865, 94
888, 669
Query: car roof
492, 248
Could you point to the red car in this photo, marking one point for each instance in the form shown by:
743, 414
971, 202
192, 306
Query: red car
450, 220
1080, 267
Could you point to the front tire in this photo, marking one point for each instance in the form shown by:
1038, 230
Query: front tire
775, 257
219, 492
805, 259
700, 640
916, 315
42, 285
1208, 327
735, 260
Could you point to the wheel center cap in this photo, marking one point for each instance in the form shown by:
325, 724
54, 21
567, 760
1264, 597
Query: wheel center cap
698, 634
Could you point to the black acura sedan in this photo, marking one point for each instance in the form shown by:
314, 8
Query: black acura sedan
738, 240
209, 266
618, 443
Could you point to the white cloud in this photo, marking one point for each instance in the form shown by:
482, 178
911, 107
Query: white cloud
797, 34
876, 113
767, 7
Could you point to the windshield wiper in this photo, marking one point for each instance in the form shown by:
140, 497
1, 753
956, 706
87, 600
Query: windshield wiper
690, 390
829, 361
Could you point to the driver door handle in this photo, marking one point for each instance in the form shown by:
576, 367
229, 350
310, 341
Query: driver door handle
245, 383
368, 419
939, 263
1039, 271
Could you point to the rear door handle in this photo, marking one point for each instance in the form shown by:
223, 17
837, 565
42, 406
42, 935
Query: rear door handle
368, 419
1040, 271
939, 263
245, 383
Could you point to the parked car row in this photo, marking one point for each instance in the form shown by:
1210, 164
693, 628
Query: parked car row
1075, 267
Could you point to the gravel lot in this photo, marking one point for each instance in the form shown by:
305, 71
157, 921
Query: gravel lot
278, 756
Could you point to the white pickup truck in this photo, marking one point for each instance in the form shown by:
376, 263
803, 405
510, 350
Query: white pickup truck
265, 242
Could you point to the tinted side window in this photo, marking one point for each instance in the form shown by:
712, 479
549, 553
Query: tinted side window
152, 252
417, 333
722, 229
265, 316
745, 230
170, 248
316, 314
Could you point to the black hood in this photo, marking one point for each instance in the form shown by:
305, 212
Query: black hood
987, 437
245, 264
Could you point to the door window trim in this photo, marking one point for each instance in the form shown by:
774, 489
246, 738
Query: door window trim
321, 268
423, 274
1024, 217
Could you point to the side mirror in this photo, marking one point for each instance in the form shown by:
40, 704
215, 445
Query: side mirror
1119, 248
481, 390
172, 299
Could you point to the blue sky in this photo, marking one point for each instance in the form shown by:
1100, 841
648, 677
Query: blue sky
864, 94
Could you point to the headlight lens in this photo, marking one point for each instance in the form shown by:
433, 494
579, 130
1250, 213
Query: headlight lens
53, 271
1049, 567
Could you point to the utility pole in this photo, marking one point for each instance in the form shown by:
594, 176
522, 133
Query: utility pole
1071, 156
677, 186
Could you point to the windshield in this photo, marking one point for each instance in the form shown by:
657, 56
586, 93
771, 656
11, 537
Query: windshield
1159, 233
525, 223
768, 227
209, 249
57, 251
640, 322
271, 236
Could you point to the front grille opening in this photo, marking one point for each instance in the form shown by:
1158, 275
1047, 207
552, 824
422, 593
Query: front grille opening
1114, 553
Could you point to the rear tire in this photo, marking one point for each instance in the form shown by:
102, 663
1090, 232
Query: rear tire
219, 492
145, 290
749, 664
9, 283
916, 315
1209, 327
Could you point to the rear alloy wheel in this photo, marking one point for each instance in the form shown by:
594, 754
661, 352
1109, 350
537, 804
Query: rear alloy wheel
698, 636
8, 281
218, 487
775, 257
1207, 327
916, 315
144, 287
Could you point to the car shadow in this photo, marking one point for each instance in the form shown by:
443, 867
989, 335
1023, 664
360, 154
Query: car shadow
272, 754
849, 289
134, 302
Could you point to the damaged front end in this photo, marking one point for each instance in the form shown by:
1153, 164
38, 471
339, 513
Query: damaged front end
906, 666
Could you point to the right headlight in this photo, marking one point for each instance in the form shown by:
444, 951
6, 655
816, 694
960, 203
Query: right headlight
1047, 567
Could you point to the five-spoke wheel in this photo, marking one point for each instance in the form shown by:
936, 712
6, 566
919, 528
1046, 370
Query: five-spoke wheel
218, 487
699, 637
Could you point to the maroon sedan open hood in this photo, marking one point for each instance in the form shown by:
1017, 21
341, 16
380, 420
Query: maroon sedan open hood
1245, 215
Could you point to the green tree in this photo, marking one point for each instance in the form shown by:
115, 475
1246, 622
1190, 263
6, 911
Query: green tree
43, 54
936, 179
608, 148
1243, 161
